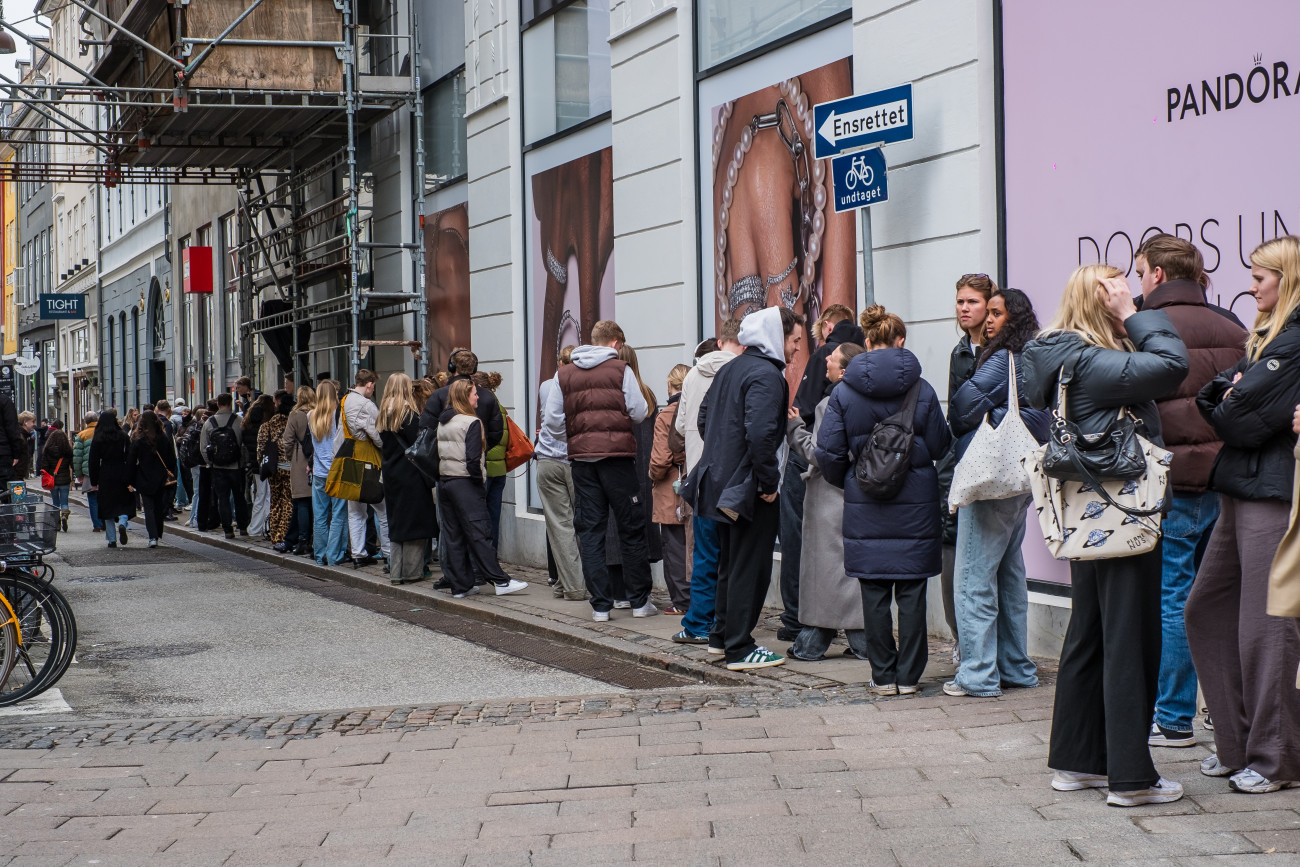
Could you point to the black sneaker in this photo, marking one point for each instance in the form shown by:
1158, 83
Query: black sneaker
1206, 721
785, 633
1163, 737
121, 534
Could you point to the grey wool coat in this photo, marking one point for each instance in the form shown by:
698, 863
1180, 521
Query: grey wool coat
827, 597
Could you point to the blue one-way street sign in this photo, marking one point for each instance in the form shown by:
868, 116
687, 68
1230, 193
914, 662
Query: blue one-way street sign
859, 179
854, 121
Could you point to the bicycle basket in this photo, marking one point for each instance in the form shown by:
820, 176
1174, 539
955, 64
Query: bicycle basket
27, 529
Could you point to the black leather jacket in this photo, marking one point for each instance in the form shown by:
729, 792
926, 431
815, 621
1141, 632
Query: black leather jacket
1254, 421
1107, 379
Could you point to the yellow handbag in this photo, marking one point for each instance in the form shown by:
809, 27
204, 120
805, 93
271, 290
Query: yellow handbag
354, 472
1284, 577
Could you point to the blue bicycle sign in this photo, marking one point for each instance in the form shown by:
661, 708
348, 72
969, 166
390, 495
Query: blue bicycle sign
859, 179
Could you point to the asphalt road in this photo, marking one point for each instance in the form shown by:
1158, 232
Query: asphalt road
169, 632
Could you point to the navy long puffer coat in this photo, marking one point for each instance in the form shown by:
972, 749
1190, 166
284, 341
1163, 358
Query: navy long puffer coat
896, 539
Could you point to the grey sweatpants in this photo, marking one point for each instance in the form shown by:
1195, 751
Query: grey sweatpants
555, 487
1246, 659
406, 562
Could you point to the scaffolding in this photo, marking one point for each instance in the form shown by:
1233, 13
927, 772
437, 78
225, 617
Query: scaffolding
283, 99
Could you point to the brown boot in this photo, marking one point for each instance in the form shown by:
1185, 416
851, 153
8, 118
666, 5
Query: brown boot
63, 518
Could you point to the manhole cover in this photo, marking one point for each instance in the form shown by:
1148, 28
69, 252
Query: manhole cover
161, 651
131, 555
101, 579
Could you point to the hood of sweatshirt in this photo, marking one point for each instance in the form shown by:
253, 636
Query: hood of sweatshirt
711, 362
762, 330
883, 374
588, 357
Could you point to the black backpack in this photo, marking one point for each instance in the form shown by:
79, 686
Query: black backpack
189, 447
223, 445
881, 467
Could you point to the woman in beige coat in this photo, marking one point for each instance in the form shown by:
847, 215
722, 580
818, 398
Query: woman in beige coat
670, 512
296, 447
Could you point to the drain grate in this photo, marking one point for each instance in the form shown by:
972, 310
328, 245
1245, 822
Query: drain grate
131, 555
160, 651
533, 648
100, 579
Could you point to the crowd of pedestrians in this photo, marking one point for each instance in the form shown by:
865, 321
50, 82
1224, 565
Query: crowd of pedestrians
861, 475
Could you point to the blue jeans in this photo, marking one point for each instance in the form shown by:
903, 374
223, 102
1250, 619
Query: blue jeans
59, 496
110, 531
496, 489
704, 577
182, 495
92, 503
992, 598
330, 527
1186, 531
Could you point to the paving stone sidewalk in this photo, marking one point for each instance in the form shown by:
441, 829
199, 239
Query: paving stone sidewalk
644, 640
929, 781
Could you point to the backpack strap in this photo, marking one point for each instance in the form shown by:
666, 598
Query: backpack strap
909, 405
343, 416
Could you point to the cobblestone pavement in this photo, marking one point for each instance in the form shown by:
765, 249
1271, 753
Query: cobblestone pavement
703, 777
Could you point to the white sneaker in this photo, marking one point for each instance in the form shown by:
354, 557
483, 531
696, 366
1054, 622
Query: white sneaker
716, 651
1212, 767
882, 688
1163, 792
647, 610
1254, 783
470, 592
1073, 781
622, 603
600, 616
512, 586
153, 543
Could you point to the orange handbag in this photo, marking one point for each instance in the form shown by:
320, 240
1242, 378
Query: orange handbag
519, 450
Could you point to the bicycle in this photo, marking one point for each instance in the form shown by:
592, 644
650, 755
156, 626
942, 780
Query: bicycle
38, 632
859, 171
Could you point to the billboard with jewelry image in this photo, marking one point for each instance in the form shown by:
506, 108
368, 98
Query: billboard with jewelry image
446, 283
770, 234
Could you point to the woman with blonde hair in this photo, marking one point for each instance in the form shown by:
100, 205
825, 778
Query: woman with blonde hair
670, 512
330, 528
412, 521
296, 448
462, 497
1245, 658
1111, 357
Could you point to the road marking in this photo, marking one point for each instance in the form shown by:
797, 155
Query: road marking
50, 701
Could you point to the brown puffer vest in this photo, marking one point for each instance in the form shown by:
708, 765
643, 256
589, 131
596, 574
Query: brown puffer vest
595, 411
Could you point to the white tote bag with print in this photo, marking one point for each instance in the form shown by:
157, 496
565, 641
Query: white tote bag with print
991, 469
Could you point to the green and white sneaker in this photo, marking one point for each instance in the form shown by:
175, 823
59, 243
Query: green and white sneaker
759, 657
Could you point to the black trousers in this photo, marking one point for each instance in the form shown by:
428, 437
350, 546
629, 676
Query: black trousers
744, 574
1110, 667
611, 484
228, 484
903, 663
155, 510
792, 493
467, 534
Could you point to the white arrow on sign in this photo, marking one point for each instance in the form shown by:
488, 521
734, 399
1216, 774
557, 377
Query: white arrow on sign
855, 123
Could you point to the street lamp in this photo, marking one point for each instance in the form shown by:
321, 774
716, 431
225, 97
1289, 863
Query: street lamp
7, 44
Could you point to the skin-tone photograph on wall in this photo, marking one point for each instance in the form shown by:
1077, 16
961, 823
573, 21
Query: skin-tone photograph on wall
572, 253
776, 238
446, 252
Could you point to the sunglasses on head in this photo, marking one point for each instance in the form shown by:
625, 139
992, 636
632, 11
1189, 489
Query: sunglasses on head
966, 277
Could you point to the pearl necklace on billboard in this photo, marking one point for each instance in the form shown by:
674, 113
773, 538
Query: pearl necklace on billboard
795, 126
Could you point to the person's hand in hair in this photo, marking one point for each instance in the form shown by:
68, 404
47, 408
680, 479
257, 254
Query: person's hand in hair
1119, 300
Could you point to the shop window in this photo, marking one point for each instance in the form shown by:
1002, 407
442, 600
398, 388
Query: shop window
444, 131
729, 28
566, 64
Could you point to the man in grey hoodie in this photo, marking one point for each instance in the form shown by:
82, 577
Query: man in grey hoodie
738, 477
704, 567
593, 408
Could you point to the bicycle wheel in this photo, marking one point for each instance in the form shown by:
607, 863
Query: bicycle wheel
49, 636
8, 640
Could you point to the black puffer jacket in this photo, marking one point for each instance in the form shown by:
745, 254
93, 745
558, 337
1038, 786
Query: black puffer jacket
1254, 421
1107, 379
987, 392
961, 366
12, 442
896, 539
815, 387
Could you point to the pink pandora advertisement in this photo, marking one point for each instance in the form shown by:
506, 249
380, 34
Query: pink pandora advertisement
1124, 119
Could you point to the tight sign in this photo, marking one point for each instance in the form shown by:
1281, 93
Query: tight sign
63, 306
